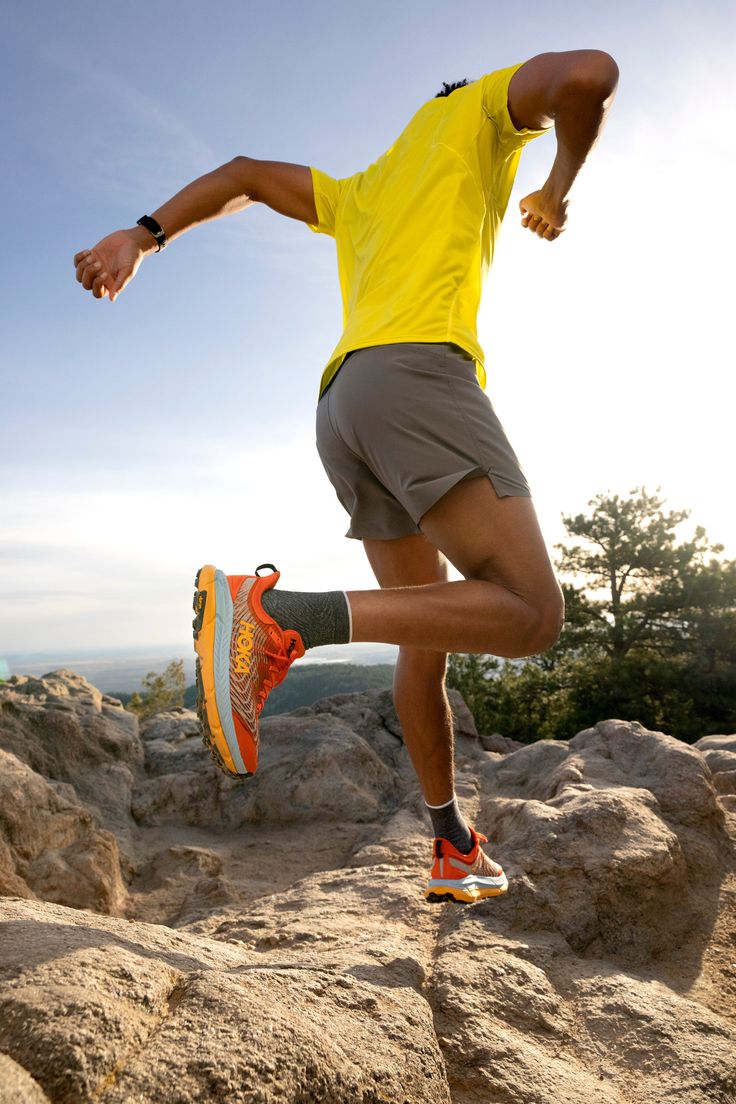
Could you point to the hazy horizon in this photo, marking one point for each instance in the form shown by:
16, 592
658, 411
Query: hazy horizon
121, 670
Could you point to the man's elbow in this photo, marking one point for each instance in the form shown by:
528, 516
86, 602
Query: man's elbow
244, 171
596, 73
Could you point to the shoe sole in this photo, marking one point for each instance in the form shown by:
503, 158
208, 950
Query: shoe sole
212, 630
468, 895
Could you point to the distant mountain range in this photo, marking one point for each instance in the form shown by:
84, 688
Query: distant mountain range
120, 671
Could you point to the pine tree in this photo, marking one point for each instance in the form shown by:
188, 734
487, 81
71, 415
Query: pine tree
160, 692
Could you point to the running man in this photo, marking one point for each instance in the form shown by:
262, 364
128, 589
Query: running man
405, 431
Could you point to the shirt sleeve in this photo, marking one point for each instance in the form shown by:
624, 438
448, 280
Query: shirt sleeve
327, 193
495, 88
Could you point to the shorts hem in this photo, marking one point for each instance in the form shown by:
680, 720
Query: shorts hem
504, 488
410, 532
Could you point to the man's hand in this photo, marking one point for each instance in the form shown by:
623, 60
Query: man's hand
111, 265
573, 89
544, 216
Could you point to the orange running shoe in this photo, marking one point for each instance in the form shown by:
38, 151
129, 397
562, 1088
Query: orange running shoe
458, 877
242, 653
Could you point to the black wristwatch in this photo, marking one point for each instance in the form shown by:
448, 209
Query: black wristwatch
154, 228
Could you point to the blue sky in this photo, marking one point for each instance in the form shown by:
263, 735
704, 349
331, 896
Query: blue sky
136, 435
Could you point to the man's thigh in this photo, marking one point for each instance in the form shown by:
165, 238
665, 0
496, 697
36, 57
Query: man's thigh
492, 538
410, 561
405, 561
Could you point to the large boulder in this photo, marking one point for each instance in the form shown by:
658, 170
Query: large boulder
67, 731
719, 753
614, 838
342, 758
107, 1011
520, 1018
17, 1086
309, 768
52, 847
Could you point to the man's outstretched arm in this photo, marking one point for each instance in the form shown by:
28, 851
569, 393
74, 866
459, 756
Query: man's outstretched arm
574, 91
113, 262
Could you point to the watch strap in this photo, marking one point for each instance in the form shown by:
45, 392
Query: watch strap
154, 228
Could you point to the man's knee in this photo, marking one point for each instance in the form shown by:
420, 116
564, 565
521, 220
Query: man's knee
540, 618
547, 624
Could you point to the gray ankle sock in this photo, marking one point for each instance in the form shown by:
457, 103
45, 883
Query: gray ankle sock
322, 617
448, 822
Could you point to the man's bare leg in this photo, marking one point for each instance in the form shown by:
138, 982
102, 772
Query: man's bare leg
420, 696
509, 604
416, 564
419, 679
510, 597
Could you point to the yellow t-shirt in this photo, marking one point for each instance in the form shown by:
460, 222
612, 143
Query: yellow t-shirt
415, 231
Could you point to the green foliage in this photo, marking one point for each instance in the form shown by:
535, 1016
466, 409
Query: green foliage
652, 586
650, 634
308, 682
159, 692
475, 677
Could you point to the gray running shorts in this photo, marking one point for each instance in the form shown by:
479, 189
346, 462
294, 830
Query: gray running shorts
401, 424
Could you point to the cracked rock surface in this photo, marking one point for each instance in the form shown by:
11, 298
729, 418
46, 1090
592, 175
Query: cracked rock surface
170, 935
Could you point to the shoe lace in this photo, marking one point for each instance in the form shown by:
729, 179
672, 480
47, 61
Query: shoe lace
277, 661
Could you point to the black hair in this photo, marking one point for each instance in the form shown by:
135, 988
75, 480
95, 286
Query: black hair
448, 88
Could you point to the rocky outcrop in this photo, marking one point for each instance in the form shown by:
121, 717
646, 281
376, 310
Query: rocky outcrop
188, 1019
17, 1086
719, 753
341, 759
64, 729
52, 847
616, 838
293, 957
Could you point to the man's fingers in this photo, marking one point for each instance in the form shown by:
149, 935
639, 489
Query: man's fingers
123, 276
533, 222
99, 286
87, 269
118, 284
114, 288
84, 267
90, 273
